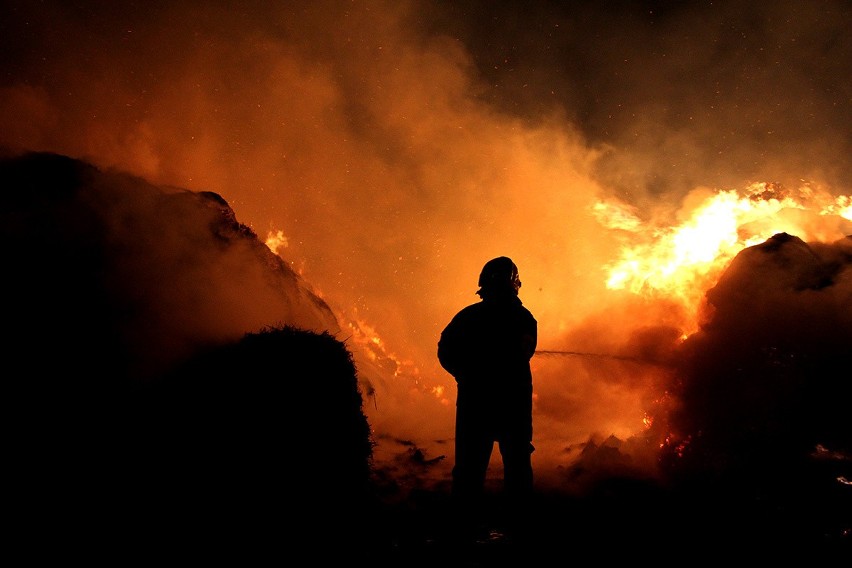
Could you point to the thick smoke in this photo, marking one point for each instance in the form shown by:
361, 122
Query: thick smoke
764, 377
397, 146
123, 278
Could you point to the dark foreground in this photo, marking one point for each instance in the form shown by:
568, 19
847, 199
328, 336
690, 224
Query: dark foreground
623, 523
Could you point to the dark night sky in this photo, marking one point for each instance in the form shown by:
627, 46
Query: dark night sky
745, 85
741, 88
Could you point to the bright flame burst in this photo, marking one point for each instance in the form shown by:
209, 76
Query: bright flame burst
276, 240
365, 338
370, 345
682, 262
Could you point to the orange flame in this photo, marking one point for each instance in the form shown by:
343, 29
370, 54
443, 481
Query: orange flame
680, 263
276, 240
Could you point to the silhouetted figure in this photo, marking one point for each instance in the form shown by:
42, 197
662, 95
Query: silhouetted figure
487, 348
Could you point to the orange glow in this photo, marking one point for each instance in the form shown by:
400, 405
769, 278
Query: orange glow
385, 159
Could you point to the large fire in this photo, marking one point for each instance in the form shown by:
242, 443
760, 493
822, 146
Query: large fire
662, 262
681, 262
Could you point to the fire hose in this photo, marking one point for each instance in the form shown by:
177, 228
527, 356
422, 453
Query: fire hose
640, 360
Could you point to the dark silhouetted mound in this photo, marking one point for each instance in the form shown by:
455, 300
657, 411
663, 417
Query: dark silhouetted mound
156, 402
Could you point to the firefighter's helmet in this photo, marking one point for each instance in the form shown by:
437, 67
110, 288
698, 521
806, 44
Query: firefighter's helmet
499, 274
